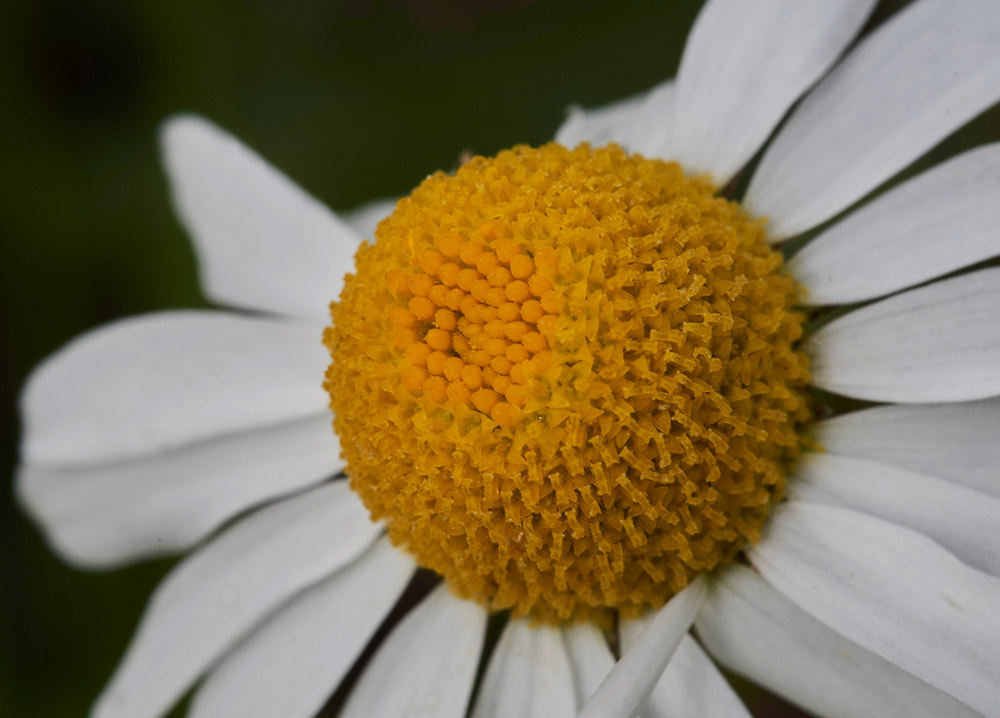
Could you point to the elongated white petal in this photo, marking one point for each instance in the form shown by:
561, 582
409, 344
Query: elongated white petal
529, 675
911, 83
427, 665
150, 383
957, 442
649, 130
756, 632
691, 685
944, 219
262, 242
599, 125
892, 591
935, 343
744, 65
365, 218
220, 593
964, 521
291, 664
635, 676
100, 516
590, 657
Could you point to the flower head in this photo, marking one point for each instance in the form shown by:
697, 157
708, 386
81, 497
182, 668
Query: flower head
573, 381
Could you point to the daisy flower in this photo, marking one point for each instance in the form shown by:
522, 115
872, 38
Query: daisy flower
576, 381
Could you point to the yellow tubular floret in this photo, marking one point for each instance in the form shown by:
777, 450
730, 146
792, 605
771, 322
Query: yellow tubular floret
567, 379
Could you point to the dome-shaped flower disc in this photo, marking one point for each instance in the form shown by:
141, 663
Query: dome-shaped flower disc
567, 379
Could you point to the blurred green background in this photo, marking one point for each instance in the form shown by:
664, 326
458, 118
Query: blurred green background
354, 99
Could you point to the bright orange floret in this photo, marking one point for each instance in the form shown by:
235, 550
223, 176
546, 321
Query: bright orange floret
522, 266
421, 307
417, 353
568, 380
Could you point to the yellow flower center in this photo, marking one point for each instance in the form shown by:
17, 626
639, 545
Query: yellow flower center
567, 379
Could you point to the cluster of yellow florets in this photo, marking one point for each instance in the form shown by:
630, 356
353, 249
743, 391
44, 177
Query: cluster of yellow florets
567, 379
475, 320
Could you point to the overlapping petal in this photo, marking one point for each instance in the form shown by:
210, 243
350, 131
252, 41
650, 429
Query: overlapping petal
638, 671
529, 675
938, 343
108, 514
263, 243
755, 631
912, 82
744, 65
290, 665
648, 130
691, 685
962, 520
590, 656
957, 442
427, 665
892, 591
220, 593
151, 383
600, 125
944, 219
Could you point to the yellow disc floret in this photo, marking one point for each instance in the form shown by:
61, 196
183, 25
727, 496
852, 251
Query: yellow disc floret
567, 379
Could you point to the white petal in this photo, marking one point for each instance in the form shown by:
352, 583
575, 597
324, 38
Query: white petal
744, 65
150, 383
529, 675
365, 218
262, 242
590, 656
756, 632
648, 130
636, 674
106, 515
427, 665
957, 442
892, 591
219, 594
935, 343
599, 125
923, 74
944, 219
964, 521
291, 664
691, 686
